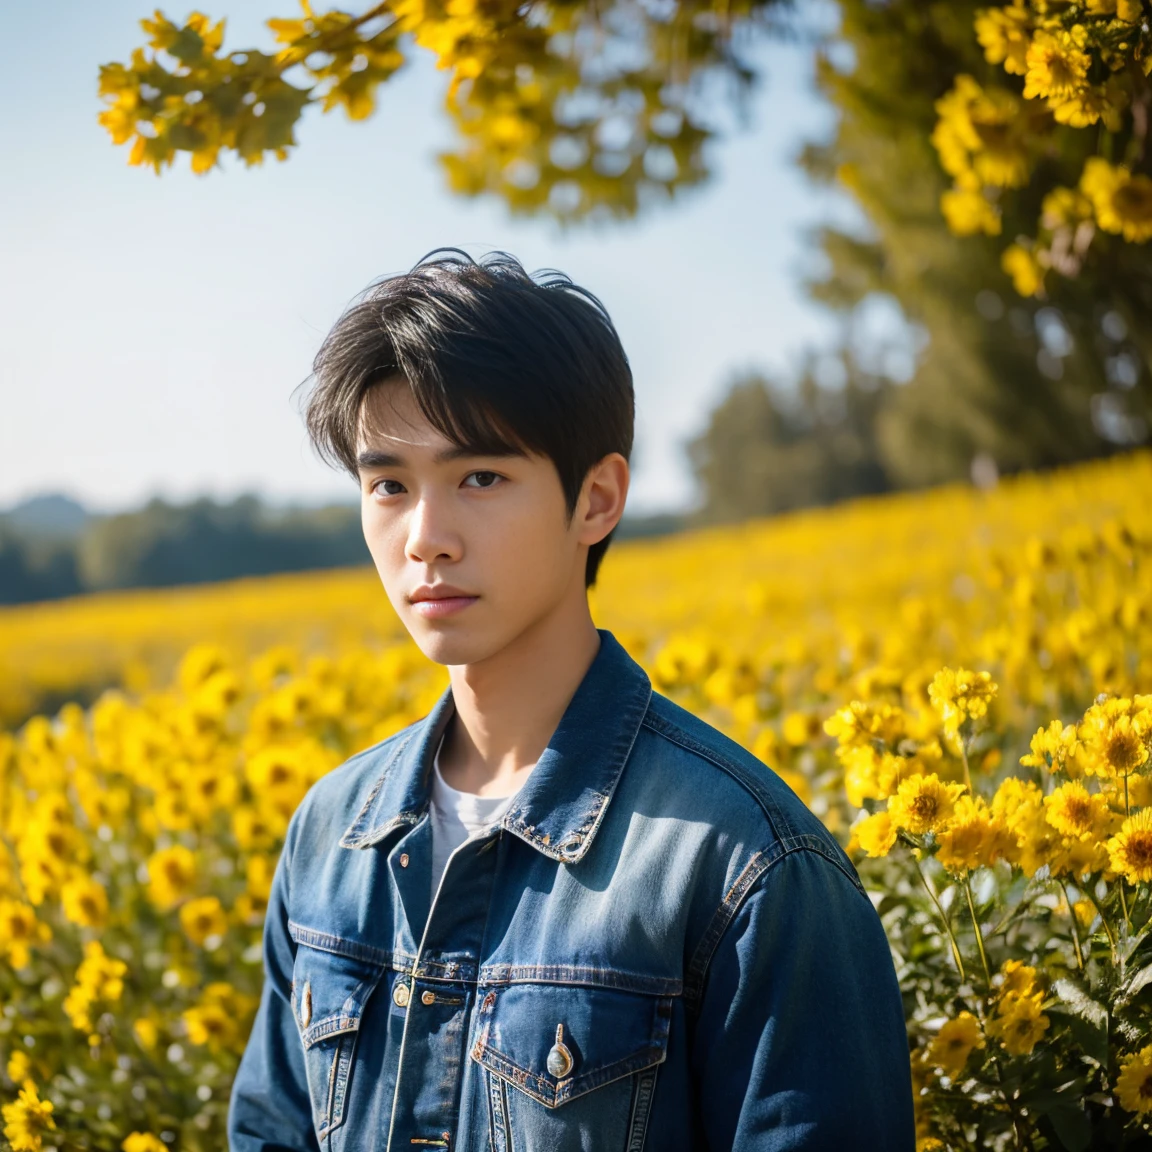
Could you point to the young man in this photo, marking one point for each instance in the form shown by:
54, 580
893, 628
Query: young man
559, 913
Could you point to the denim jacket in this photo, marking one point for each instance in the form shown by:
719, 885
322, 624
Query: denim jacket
659, 947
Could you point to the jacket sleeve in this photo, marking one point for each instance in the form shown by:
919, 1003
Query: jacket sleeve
270, 1108
800, 1042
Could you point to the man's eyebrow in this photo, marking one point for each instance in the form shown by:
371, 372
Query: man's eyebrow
375, 458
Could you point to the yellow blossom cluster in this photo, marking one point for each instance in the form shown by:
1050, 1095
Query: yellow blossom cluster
956, 682
99, 981
1082, 64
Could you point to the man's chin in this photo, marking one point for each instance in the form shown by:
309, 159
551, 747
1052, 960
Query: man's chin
453, 645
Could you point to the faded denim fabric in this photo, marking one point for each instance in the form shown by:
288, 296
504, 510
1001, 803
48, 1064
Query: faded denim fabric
659, 948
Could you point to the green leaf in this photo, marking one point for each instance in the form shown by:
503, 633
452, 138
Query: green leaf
1089, 1038
1138, 980
1073, 1128
1080, 1001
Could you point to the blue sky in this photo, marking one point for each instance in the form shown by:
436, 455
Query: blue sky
154, 327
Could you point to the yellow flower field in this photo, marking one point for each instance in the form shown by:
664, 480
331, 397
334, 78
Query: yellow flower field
958, 682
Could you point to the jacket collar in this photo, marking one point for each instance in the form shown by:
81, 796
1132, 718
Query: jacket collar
562, 803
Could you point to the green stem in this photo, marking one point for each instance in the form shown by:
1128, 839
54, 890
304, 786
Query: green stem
944, 920
976, 929
964, 758
1075, 926
1103, 920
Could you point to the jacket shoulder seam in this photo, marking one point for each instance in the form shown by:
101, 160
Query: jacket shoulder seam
734, 898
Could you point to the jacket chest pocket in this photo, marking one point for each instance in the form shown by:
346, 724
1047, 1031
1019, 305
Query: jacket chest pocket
569, 1067
329, 992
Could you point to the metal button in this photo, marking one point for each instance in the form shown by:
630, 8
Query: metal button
400, 993
559, 1058
403, 859
428, 997
306, 1005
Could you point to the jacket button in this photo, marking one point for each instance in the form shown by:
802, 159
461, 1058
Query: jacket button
428, 997
400, 993
559, 1058
403, 859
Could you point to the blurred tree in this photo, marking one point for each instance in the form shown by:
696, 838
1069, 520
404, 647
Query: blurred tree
578, 109
34, 569
1020, 382
163, 544
771, 447
582, 110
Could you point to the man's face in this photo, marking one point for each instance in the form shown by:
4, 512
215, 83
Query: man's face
472, 550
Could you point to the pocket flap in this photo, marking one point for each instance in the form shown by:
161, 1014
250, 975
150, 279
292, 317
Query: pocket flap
329, 992
607, 1034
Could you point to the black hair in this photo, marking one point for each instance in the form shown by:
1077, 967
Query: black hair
497, 360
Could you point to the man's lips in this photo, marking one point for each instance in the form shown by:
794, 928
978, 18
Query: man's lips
446, 603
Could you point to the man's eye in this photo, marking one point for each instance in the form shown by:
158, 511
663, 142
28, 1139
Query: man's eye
378, 487
487, 479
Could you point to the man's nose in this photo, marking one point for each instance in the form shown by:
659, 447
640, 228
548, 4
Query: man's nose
431, 535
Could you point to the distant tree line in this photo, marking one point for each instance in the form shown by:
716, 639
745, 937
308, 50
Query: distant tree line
164, 544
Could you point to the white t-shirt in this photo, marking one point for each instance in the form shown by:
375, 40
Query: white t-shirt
457, 816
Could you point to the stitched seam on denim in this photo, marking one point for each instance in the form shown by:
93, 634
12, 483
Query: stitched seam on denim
509, 1138
593, 817
552, 1096
452, 971
753, 870
354, 831
772, 810
338, 945
340, 1023
735, 897
500, 974
677, 735
642, 1108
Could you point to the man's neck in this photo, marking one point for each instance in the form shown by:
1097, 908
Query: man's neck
508, 707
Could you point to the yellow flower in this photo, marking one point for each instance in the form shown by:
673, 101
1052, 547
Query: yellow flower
1026, 272
1114, 738
1019, 1023
875, 834
1064, 208
1091, 105
1003, 34
973, 837
19, 1066
203, 918
85, 902
1016, 977
923, 803
968, 211
1122, 202
1134, 1084
1055, 64
19, 931
146, 1032
959, 694
1052, 747
1076, 812
1131, 848
859, 724
1085, 912
171, 872
99, 978
953, 1044
143, 1142
27, 1119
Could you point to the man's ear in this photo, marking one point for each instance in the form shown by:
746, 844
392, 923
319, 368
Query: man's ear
602, 498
